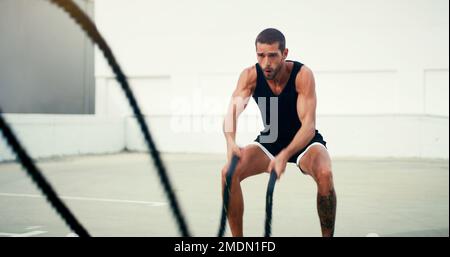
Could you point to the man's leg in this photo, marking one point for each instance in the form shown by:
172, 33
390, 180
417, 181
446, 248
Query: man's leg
317, 163
253, 161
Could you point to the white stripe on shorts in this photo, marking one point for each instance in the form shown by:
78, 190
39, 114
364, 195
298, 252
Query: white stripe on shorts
304, 152
264, 150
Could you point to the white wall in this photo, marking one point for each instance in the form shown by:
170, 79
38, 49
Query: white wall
381, 71
48, 135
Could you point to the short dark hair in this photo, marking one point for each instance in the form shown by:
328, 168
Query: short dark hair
270, 36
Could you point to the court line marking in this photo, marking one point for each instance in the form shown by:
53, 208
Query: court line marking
76, 198
27, 234
33, 227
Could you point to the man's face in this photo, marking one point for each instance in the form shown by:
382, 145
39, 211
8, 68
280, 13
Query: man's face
270, 58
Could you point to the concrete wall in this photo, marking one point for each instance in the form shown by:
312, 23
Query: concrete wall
46, 62
381, 71
61, 135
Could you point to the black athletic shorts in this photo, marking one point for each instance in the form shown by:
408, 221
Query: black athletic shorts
272, 149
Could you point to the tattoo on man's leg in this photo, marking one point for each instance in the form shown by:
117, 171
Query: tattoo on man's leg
326, 206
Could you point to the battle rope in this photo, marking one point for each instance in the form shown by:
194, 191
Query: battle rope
89, 27
39, 179
269, 202
226, 198
226, 194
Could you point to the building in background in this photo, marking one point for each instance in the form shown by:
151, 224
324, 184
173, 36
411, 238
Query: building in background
382, 83
46, 62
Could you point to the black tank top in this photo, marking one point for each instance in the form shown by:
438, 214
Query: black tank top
288, 120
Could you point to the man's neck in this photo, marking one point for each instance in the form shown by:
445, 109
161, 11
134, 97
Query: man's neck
281, 78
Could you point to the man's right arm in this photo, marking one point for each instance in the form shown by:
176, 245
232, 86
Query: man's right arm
239, 100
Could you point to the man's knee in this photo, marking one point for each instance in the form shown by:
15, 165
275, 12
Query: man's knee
323, 175
240, 167
237, 175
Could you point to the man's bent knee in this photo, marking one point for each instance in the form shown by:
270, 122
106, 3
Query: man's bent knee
324, 176
236, 175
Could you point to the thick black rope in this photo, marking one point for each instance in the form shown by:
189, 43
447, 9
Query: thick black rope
226, 195
89, 27
269, 202
226, 198
38, 178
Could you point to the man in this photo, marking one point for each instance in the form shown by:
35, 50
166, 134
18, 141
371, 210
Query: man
285, 93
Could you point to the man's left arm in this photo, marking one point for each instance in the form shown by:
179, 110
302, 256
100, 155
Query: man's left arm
306, 109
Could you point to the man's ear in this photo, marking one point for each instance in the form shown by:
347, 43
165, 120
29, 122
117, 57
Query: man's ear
285, 53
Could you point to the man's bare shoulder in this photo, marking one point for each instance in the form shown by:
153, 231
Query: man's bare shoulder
248, 76
304, 79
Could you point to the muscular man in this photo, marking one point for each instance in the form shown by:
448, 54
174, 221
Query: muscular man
285, 93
